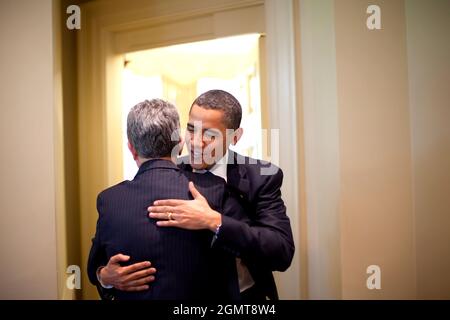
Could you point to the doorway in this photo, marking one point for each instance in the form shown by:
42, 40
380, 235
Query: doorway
180, 73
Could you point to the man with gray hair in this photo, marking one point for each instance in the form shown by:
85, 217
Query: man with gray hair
187, 267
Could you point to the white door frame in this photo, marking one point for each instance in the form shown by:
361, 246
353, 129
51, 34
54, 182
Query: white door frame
283, 115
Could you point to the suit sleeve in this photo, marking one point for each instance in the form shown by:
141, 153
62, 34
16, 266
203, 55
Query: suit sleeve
267, 240
97, 255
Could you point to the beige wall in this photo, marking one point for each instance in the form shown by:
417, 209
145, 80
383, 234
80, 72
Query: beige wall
377, 147
40, 216
27, 167
428, 26
377, 222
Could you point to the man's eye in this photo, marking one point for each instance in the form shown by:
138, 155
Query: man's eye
209, 135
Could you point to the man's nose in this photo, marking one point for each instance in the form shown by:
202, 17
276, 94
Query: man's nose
197, 140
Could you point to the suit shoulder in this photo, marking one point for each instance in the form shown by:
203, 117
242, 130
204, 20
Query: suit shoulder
113, 190
259, 167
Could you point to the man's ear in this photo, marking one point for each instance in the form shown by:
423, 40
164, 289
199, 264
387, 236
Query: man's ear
180, 145
237, 136
132, 150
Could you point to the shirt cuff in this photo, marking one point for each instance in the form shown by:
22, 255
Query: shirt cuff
216, 234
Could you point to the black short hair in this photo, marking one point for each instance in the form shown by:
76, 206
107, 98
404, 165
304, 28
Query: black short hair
224, 101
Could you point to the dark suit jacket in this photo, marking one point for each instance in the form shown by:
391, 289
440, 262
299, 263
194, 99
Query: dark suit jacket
255, 226
187, 267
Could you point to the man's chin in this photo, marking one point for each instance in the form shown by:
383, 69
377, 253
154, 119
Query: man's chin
197, 164
201, 163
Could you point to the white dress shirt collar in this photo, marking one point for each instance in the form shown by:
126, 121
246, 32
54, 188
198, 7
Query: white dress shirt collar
219, 168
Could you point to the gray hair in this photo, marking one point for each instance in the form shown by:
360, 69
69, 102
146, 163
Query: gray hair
223, 101
153, 128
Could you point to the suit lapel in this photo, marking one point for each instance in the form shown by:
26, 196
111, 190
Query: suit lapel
237, 176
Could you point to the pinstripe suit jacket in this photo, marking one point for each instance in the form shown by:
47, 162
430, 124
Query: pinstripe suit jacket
255, 226
187, 267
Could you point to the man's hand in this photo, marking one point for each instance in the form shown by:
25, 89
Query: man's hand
186, 214
130, 278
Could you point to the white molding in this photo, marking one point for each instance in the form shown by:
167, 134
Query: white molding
321, 148
282, 108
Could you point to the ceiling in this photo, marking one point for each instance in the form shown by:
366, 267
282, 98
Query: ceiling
185, 63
